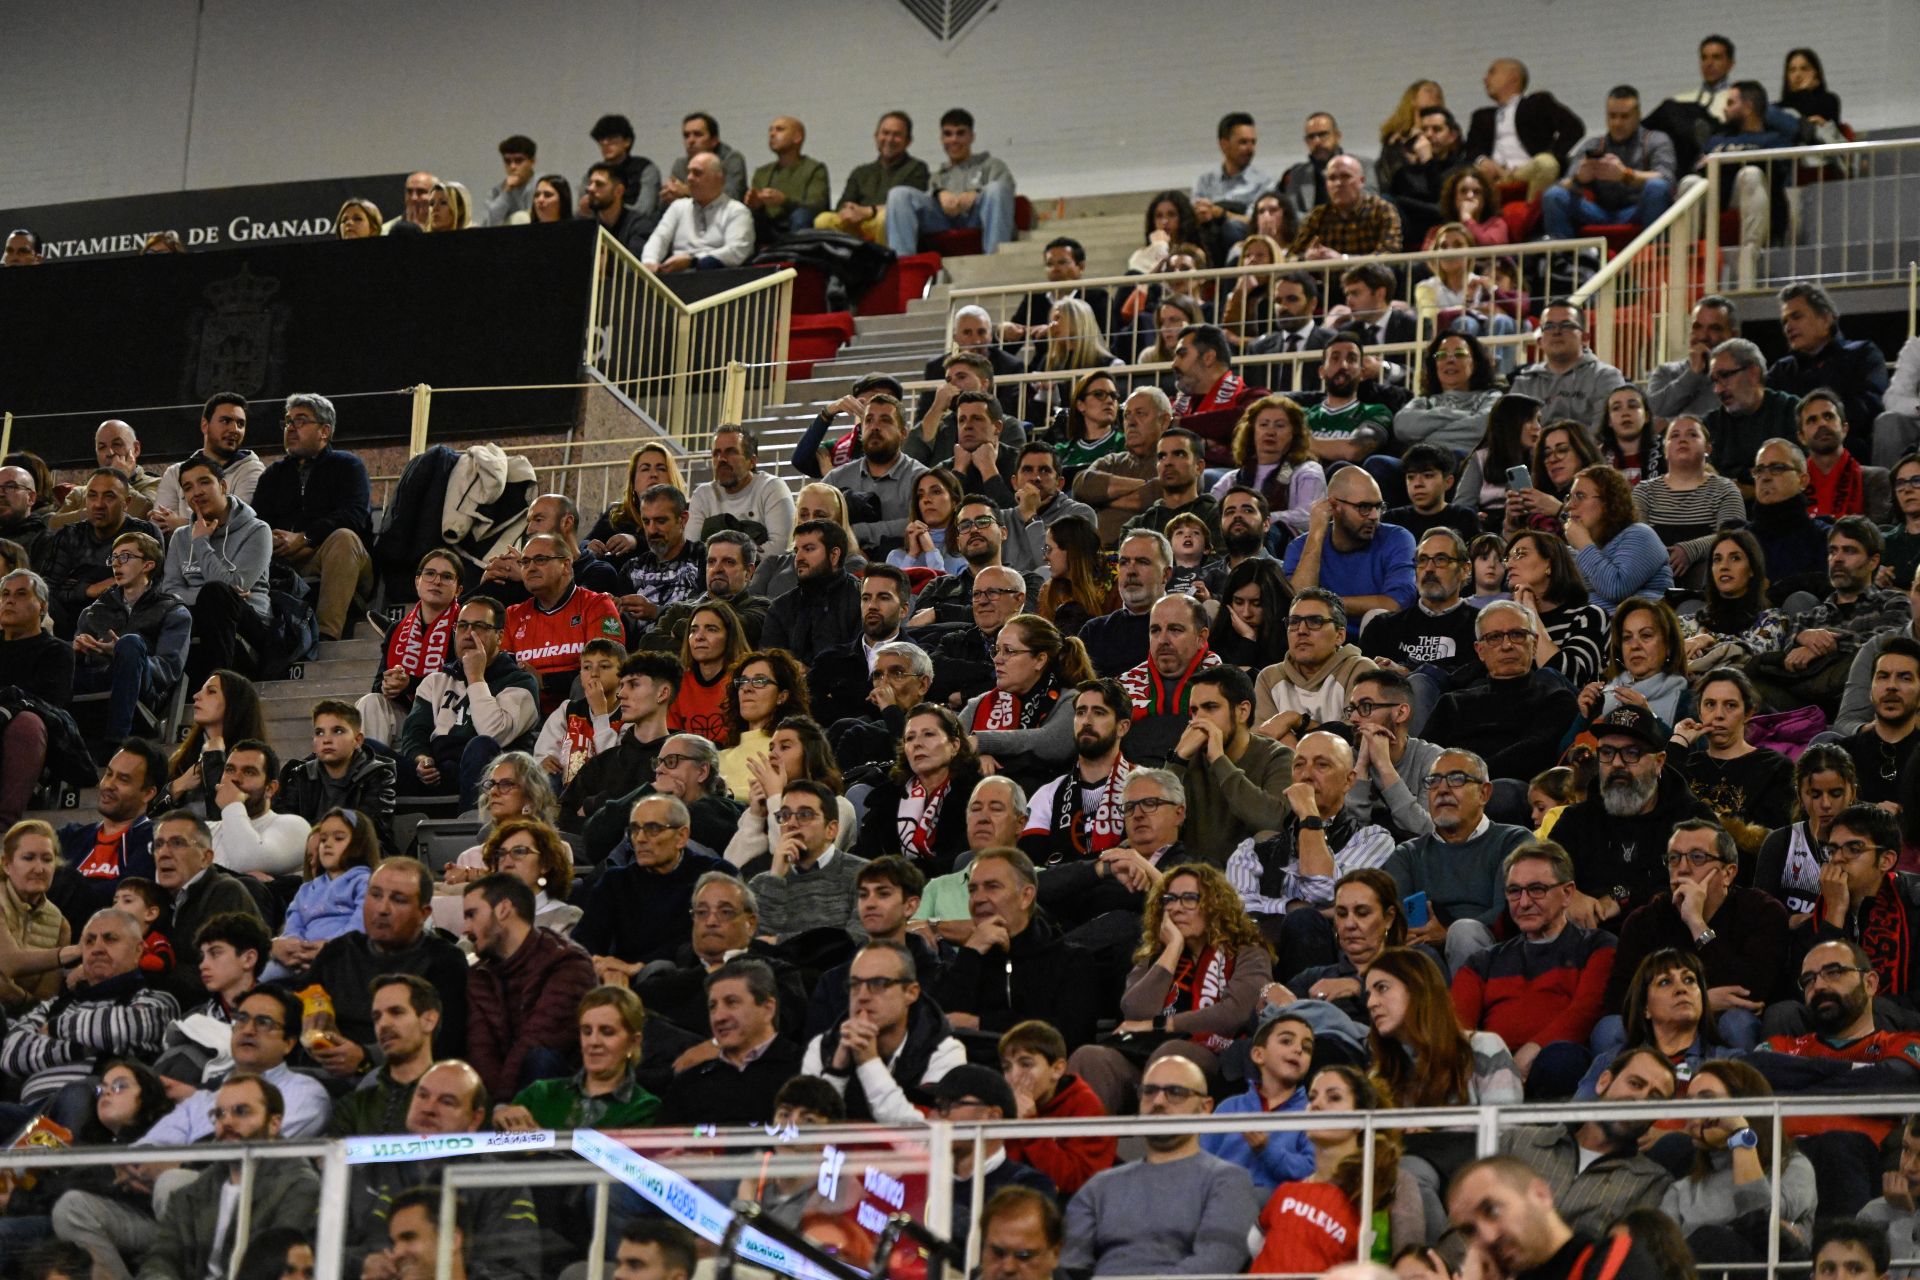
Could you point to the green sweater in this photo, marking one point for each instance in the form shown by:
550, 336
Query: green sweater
562, 1103
805, 185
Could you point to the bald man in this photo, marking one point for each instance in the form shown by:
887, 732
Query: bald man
1354, 221
705, 229
114, 445
1178, 1210
19, 522
1523, 137
788, 194
1347, 550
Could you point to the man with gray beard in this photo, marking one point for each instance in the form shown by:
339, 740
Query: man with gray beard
1618, 833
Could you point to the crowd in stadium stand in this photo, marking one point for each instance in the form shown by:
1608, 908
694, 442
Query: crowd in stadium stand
1074, 753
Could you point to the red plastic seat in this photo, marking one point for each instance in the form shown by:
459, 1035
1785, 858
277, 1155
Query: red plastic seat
919, 576
904, 281
1618, 234
816, 337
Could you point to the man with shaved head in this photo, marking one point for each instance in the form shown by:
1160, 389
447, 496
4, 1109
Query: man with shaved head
1287, 879
1347, 550
19, 522
1353, 222
1180, 1209
704, 229
114, 445
788, 194
1523, 137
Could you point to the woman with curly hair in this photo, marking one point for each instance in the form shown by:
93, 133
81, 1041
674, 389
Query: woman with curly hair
714, 644
616, 535
920, 811
1170, 221
766, 686
1465, 199
532, 852
1273, 455
929, 541
1458, 376
1314, 1224
1617, 555
1194, 988
1079, 585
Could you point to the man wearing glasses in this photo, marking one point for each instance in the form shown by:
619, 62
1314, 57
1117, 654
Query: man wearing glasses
812, 883
1865, 901
132, 640
1749, 413
199, 890
318, 502
547, 631
266, 1029
952, 597
1541, 992
19, 522
1568, 380
1515, 717
642, 910
466, 715
73, 559
1349, 552
891, 1041
1438, 631
1458, 862
1739, 935
1618, 832
1393, 764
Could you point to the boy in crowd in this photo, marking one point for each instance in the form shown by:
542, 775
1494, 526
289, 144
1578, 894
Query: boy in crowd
1428, 472
146, 902
1282, 1053
1033, 1058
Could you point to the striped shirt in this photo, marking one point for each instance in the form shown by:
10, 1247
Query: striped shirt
1581, 632
1369, 846
1688, 518
57, 1042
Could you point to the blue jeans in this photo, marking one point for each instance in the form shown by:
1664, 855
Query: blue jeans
1499, 324
910, 212
1564, 211
130, 675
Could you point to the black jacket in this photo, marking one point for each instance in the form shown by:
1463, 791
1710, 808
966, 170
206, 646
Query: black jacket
926, 1028
1625, 858
1116, 642
1855, 368
317, 495
1041, 975
670, 628
813, 616
370, 789
1541, 121
639, 915
156, 617
71, 559
676, 990
879, 836
217, 892
715, 1092
611, 773
828, 1003
348, 963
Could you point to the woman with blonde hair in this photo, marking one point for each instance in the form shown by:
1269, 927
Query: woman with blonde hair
606, 1093
1457, 285
358, 219
616, 535
1023, 726
35, 939
1195, 985
1247, 311
1401, 127
817, 500
1273, 456
452, 207
1073, 343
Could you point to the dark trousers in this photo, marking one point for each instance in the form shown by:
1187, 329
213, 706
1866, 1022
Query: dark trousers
462, 764
222, 619
130, 675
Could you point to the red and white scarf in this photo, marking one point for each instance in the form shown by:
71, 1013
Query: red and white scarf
1105, 828
420, 652
918, 815
1225, 393
1000, 709
1197, 984
1150, 692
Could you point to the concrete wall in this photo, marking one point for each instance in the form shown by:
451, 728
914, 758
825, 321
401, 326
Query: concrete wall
119, 97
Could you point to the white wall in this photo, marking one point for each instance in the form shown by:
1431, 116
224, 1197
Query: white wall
119, 97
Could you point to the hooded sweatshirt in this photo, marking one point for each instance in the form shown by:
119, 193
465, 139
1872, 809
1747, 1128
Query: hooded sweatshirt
237, 553
1322, 697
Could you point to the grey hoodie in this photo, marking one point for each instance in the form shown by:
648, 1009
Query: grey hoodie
236, 553
1579, 393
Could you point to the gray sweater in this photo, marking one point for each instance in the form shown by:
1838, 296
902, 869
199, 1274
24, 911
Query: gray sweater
1903, 1232
1186, 1216
1404, 800
1462, 881
1714, 1201
1051, 744
823, 898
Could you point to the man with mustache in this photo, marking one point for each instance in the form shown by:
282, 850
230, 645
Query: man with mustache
1457, 862
1835, 477
1738, 933
982, 534
1750, 413
1438, 630
842, 676
673, 566
1618, 833
1244, 519
1883, 747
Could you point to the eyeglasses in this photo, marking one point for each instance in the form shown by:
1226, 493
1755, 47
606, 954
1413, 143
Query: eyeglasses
125, 557
877, 986
1367, 706
1150, 804
1453, 353
1907, 482
1008, 651
1724, 375
527, 559
1849, 851
978, 522
985, 595
1451, 778
437, 575
1171, 1092
784, 816
1515, 892
1695, 858
1829, 974
1561, 326
722, 912
1436, 562
490, 785
13, 486
754, 682
1519, 635
1773, 468
298, 423
471, 627
518, 851
259, 1021
1101, 395
173, 842
889, 673
650, 830
1364, 508
672, 760
1608, 753
1187, 899
1557, 451
115, 1087
1307, 622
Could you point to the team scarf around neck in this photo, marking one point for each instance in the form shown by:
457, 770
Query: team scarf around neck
1800, 876
1885, 937
1105, 827
1000, 709
1149, 691
421, 650
1197, 984
919, 814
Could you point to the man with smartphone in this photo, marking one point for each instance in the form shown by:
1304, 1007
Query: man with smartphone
1624, 175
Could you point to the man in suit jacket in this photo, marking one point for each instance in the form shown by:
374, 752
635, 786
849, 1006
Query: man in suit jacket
1368, 289
1523, 137
1296, 297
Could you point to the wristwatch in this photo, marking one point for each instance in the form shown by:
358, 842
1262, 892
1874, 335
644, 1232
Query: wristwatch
1313, 824
1742, 1140
1702, 938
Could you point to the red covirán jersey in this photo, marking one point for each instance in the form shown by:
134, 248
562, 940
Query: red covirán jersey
549, 640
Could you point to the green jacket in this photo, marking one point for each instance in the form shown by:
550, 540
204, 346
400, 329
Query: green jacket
805, 185
561, 1103
286, 1193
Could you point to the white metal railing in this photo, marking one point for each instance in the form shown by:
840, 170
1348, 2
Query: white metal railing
662, 355
712, 1156
1852, 212
1643, 298
1535, 264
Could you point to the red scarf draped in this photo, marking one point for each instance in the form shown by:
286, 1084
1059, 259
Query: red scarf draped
1001, 709
916, 825
1197, 984
420, 652
1885, 937
1839, 492
1148, 689
1106, 828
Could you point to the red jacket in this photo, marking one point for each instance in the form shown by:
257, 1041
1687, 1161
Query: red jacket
1070, 1162
517, 1005
1537, 994
1215, 413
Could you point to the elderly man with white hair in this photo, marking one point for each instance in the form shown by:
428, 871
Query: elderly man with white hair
973, 331
1122, 484
1515, 718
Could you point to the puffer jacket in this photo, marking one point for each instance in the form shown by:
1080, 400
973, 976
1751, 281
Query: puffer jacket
370, 790
237, 553
156, 617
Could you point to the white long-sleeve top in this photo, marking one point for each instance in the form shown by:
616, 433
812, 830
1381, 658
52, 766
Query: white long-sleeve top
275, 843
756, 834
764, 498
552, 741
723, 230
885, 1098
